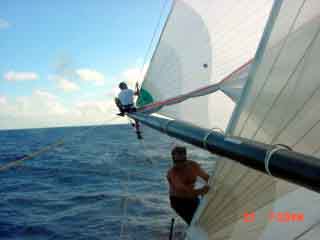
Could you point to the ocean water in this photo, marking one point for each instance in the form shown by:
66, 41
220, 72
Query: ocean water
102, 183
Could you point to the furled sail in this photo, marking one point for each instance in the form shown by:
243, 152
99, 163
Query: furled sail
203, 43
279, 105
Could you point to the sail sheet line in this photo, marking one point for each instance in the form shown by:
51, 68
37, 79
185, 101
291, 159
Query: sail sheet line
153, 37
317, 224
160, 37
291, 28
195, 93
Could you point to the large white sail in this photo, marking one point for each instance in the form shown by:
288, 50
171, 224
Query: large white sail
203, 42
279, 106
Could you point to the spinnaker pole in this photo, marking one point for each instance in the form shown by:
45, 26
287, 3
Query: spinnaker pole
279, 162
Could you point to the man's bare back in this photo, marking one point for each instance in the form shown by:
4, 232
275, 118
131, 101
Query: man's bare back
182, 179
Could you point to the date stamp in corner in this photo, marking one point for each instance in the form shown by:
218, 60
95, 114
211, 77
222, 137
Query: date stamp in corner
280, 217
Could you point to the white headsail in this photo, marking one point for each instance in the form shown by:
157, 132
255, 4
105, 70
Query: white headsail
208, 46
203, 43
278, 106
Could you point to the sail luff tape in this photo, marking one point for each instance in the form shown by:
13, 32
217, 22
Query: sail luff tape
269, 154
205, 139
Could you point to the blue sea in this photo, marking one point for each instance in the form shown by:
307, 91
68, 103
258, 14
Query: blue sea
101, 183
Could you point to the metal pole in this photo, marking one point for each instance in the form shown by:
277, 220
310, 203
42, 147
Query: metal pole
292, 166
171, 229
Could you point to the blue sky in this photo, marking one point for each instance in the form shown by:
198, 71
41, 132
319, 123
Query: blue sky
61, 60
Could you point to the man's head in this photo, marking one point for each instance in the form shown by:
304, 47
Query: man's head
123, 86
179, 154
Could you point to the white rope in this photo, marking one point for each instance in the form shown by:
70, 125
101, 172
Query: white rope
124, 220
269, 154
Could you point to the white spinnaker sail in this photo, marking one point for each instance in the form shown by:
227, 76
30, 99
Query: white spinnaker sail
280, 104
201, 44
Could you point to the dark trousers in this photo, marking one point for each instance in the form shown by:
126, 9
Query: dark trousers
184, 207
128, 109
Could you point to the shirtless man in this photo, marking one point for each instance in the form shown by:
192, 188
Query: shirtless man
182, 177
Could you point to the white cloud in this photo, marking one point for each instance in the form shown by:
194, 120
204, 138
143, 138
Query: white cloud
130, 76
68, 86
91, 75
4, 24
42, 103
133, 75
97, 109
3, 100
113, 92
64, 84
20, 76
44, 109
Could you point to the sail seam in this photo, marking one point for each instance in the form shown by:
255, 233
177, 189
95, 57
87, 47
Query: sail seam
286, 84
271, 68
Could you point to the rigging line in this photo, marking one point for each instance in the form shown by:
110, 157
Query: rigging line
142, 143
153, 37
306, 133
32, 155
307, 51
14, 163
149, 160
307, 230
299, 110
124, 221
271, 68
125, 217
161, 35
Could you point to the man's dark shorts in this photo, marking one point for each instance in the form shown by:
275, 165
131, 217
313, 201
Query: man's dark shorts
185, 207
